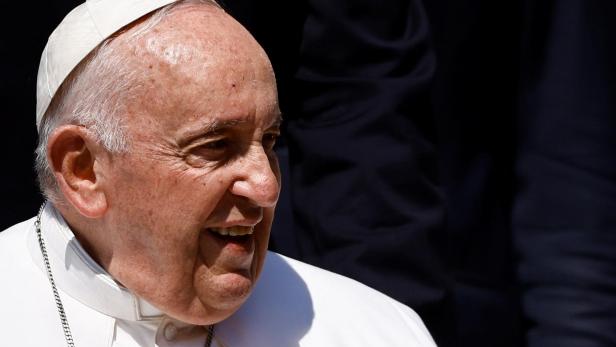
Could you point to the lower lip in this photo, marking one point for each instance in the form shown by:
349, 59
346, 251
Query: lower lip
242, 244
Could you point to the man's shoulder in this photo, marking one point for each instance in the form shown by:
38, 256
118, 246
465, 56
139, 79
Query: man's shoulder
15, 260
318, 279
301, 302
329, 288
19, 273
13, 240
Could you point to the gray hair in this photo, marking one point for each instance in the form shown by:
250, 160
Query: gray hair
94, 96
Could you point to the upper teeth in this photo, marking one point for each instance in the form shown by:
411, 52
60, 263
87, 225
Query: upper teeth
237, 230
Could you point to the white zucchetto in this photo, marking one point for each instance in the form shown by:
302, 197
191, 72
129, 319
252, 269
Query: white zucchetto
79, 33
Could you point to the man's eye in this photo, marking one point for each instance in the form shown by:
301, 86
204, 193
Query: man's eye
212, 150
215, 145
269, 140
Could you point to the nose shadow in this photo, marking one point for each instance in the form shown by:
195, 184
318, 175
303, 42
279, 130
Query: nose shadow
278, 313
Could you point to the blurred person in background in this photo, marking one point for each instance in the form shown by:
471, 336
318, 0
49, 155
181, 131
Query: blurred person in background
522, 102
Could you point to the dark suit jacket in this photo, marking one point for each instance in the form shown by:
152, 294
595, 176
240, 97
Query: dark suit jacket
361, 187
524, 115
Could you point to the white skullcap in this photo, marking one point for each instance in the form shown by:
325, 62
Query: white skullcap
79, 33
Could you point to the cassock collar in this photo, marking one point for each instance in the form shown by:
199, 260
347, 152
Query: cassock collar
79, 276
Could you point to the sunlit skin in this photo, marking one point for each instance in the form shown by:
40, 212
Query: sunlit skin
201, 133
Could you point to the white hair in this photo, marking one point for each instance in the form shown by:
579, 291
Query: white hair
94, 95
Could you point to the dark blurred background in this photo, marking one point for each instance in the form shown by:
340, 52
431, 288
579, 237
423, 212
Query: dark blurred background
456, 155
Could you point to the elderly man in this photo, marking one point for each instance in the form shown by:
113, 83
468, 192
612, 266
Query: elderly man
157, 122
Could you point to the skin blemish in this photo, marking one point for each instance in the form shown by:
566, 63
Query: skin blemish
172, 53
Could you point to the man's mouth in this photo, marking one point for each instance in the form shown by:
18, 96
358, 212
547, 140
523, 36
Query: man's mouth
234, 236
237, 230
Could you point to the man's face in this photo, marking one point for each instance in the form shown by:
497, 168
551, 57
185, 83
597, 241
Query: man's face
200, 164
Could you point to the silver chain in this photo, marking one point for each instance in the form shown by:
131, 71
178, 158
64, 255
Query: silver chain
210, 335
67, 330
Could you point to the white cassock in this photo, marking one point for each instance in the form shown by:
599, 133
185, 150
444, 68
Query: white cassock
293, 304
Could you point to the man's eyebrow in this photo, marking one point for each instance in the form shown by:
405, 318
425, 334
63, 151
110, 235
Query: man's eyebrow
216, 125
277, 121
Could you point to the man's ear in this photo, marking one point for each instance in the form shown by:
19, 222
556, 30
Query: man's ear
75, 158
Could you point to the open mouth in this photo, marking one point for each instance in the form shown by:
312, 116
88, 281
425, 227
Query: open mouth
235, 234
237, 230
234, 247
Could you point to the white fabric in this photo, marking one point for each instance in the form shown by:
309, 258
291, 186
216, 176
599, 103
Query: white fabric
84, 28
293, 305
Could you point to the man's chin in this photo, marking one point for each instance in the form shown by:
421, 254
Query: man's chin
224, 295
204, 312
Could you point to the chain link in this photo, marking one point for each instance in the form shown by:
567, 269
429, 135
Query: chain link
67, 330
210, 335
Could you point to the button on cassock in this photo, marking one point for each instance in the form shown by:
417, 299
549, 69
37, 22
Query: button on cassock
170, 331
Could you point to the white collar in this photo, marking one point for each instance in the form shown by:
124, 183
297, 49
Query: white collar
79, 276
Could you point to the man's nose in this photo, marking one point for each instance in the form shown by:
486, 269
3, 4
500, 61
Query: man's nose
258, 180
